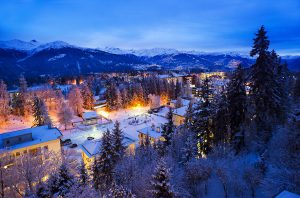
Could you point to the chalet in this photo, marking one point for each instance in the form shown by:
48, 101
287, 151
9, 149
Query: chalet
153, 133
90, 118
91, 149
34, 141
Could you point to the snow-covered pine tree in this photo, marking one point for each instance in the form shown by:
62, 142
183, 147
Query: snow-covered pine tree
189, 150
20, 103
104, 164
124, 98
202, 121
168, 129
139, 92
118, 99
83, 175
161, 181
60, 182
40, 112
118, 141
65, 115
120, 191
264, 86
178, 89
284, 79
220, 119
4, 102
110, 96
88, 97
188, 116
172, 90
75, 100
237, 101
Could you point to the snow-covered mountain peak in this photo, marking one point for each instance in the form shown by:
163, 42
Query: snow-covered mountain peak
19, 45
52, 45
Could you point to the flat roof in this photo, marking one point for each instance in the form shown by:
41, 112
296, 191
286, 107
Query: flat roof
40, 134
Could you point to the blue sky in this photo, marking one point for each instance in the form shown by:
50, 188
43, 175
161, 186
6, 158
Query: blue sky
204, 25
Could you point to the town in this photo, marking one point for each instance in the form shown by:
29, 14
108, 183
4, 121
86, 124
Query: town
149, 99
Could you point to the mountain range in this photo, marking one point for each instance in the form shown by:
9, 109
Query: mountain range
59, 58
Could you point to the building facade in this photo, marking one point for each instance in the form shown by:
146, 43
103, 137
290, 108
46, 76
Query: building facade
35, 141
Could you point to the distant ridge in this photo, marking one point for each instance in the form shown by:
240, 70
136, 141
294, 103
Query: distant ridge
59, 58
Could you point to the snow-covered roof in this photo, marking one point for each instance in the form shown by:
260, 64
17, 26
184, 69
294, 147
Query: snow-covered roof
90, 115
151, 131
287, 194
180, 111
91, 148
39, 135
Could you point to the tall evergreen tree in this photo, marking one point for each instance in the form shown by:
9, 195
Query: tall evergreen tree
168, 129
118, 141
20, 100
83, 175
189, 150
178, 89
188, 116
104, 164
202, 121
88, 97
4, 102
160, 181
110, 96
264, 86
237, 101
40, 112
220, 119
60, 183
284, 88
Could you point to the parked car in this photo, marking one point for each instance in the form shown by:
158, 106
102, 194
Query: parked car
90, 138
66, 142
73, 146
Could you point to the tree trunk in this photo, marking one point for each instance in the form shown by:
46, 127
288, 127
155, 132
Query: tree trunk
225, 190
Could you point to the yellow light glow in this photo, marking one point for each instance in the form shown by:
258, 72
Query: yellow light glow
103, 113
137, 106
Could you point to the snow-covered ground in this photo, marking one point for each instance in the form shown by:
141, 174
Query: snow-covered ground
130, 120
